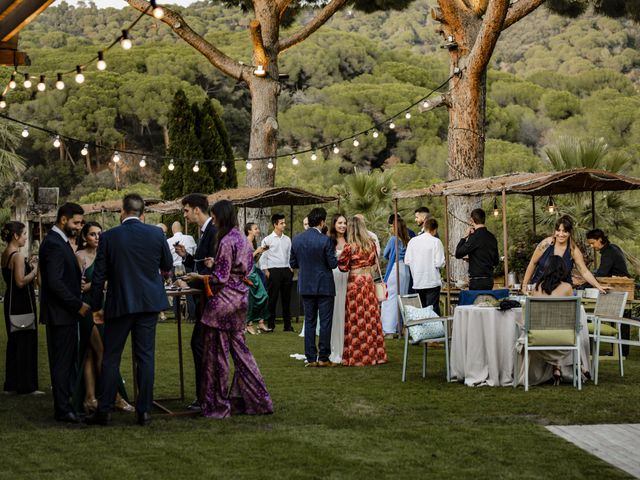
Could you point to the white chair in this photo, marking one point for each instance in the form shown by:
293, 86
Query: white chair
413, 300
609, 309
551, 323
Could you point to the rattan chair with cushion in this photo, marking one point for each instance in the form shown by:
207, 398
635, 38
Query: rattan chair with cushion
551, 323
413, 300
609, 310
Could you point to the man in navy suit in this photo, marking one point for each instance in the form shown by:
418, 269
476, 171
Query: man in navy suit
61, 305
196, 210
130, 258
314, 254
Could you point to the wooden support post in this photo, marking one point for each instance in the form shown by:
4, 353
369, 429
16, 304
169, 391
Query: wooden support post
397, 259
505, 243
291, 217
446, 256
533, 209
593, 209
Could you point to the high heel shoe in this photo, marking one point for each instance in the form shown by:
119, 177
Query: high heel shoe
122, 405
250, 329
265, 329
90, 406
557, 376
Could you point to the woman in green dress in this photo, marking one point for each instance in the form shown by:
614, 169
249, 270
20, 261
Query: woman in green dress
258, 296
91, 348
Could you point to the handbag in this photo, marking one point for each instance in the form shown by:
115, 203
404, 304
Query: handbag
380, 286
24, 321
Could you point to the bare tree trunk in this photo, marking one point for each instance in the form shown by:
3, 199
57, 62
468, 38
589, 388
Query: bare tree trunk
165, 136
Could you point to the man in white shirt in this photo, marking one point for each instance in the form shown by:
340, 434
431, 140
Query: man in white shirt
275, 265
186, 241
425, 257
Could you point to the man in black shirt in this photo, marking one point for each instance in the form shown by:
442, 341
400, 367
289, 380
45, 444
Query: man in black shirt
612, 262
481, 247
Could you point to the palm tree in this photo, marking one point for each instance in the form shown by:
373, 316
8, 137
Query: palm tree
11, 164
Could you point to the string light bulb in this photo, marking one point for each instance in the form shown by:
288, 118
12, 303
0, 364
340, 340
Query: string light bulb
314, 156
196, 167
496, 212
116, 157
426, 104
392, 125
41, 85
3, 102
12, 82
551, 206
79, 75
101, 65
223, 168
336, 149
171, 166
270, 164
356, 142
143, 161
375, 134
157, 11
294, 160
59, 82
249, 165
407, 115
85, 150
57, 142
260, 71
125, 41
27, 81
25, 132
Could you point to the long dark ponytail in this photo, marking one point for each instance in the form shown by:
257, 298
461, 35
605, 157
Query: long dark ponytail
226, 219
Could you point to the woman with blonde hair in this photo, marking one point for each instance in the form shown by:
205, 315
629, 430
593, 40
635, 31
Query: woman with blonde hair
363, 337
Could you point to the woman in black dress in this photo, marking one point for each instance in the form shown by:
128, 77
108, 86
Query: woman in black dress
21, 374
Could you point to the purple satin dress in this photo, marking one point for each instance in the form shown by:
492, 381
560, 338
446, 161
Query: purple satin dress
223, 321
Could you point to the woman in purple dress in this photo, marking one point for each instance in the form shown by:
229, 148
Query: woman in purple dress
224, 320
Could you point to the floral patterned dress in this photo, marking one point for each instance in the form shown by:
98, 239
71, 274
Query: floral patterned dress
363, 336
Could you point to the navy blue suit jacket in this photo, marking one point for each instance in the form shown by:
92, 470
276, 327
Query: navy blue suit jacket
130, 258
203, 250
314, 254
60, 292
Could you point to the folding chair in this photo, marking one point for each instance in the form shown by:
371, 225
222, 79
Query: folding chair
609, 309
413, 300
551, 323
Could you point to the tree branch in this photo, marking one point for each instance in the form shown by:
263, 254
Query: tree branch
520, 9
320, 19
487, 37
217, 58
282, 6
258, 45
450, 13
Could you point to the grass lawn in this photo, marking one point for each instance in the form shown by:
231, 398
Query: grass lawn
328, 424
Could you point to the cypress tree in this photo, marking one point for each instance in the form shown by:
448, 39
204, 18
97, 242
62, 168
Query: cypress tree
200, 181
179, 122
230, 179
212, 147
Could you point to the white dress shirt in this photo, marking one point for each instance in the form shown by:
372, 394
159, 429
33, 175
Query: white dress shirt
277, 256
425, 256
186, 241
60, 232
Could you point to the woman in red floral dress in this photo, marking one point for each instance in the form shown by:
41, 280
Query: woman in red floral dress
363, 336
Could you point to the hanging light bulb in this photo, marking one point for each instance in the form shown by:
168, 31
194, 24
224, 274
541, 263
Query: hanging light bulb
171, 166
116, 157
496, 212
101, 65
260, 71
125, 41
249, 165
59, 82
223, 168
196, 167
12, 82
3, 102
294, 160
41, 85
407, 115
355, 142
143, 161
85, 150
79, 75
375, 134
57, 142
314, 156
25, 132
426, 104
158, 12
392, 125
551, 206
270, 164
27, 81
336, 150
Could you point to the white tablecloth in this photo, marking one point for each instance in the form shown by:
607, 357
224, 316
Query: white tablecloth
482, 345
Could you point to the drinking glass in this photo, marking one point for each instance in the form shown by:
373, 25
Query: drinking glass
179, 270
530, 288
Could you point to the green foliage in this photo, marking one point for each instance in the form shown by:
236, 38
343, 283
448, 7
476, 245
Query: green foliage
61, 173
559, 105
11, 164
102, 194
214, 141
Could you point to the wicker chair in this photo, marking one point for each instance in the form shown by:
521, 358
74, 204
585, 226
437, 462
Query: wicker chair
609, 309
551, 323
413, 300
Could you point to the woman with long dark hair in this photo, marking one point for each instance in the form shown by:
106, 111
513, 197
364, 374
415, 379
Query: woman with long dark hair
21, 366
258, 296
223, 322
91, 336
389, 313
338, 235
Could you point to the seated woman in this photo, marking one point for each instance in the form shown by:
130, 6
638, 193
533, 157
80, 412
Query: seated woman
547, 364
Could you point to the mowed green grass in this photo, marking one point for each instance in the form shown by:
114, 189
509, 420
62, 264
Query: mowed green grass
328, 424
